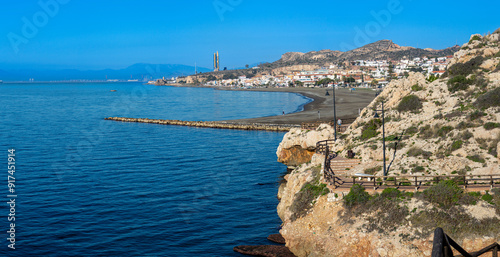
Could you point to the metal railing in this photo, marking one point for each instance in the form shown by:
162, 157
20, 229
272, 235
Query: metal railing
443, 244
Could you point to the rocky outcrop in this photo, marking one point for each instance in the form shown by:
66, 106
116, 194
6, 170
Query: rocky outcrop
277, 238
264, 250
298, 146
294, 156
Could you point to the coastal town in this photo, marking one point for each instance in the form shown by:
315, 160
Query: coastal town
359, 73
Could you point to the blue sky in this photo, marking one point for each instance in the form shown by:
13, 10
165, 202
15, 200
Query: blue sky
117, 33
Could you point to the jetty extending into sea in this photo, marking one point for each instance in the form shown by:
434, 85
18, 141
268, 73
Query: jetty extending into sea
211, 124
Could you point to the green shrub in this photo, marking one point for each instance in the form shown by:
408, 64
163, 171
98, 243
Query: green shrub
416, 87
446, 193
443, 131
490, 99
370, 129
491, 125
438, 116
456, 220
476, 158
373, 170
412, 130
409, 103
488, 198
458, 83
481, 82
357, 195
476, 115
427, 131
465, 69
475, 194
456, 145
453, 114
474, 38
496, 199
304, 199
391, 193
470, 198
463, 125
368, 133
432, 78
418, 169
415, 151
393, 145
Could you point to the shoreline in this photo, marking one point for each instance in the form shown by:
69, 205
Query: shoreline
320, 109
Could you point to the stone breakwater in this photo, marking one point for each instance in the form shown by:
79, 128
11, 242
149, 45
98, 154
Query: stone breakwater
210, 124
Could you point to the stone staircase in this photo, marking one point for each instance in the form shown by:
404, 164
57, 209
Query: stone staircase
341, 166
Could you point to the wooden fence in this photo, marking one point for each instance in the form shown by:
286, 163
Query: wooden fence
415, 182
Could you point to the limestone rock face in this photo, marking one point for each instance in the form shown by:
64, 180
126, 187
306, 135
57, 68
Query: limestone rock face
298, 145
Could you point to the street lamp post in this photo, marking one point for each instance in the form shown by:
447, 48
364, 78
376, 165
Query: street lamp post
383, 135
334, 114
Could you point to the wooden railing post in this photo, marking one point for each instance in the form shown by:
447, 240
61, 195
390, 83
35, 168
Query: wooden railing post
438, 243
491, 187
416, 184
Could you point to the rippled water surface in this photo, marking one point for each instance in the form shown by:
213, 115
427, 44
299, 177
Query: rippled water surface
89, 187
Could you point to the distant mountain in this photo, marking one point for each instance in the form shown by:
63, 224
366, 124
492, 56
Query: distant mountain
380, 50
140, 71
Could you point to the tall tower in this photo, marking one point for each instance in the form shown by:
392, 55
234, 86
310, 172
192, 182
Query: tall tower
216, 61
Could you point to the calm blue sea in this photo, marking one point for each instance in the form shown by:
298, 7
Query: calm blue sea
89, 187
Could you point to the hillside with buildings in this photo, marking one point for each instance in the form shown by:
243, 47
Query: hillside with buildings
373, 65
377, 51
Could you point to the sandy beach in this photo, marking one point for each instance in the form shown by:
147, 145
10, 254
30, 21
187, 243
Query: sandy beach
348, 104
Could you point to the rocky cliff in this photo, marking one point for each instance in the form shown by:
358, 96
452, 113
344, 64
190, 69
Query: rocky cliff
444, 126
324, 231
450, 125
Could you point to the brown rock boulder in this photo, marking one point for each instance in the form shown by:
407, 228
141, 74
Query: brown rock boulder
264, 250
294, 156
277, 238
